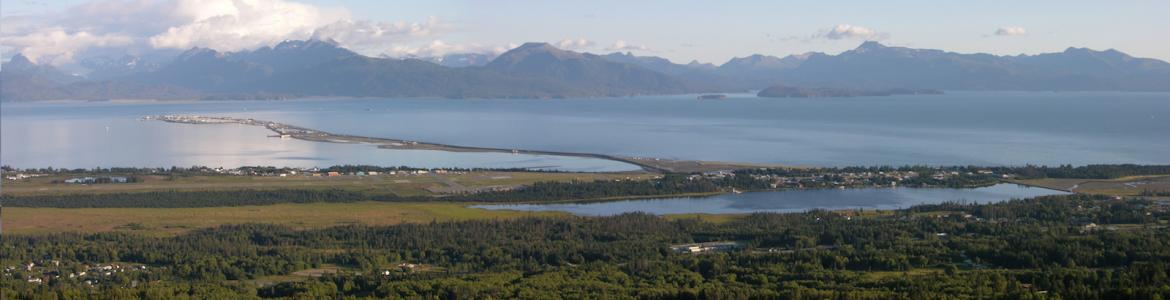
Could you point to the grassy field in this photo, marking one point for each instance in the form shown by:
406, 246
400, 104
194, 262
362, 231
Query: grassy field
402, 185
1125, 186
171, 221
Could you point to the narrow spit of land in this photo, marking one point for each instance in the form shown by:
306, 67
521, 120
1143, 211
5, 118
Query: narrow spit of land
655, 165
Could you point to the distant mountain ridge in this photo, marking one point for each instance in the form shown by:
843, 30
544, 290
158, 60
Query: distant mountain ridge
539, 70
873, 65
699, 76
22, 80
584, 71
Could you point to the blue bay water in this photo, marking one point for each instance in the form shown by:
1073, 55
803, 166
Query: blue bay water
791, 201
958, 128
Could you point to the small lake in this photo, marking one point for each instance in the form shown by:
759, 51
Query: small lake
791, 201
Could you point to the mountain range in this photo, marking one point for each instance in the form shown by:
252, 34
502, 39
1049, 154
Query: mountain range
539, 70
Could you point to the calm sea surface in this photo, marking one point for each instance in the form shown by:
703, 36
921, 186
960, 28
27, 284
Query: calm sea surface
791, 201
959, 128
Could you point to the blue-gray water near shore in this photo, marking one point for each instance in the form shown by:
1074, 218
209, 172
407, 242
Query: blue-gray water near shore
791, 201
958, 128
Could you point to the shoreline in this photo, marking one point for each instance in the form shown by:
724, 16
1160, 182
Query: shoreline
683, 96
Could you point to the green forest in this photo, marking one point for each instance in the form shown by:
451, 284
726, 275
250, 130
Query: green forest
1058, 247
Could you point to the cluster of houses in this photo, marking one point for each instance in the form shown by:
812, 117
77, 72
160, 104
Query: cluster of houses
1161, 206
190, 119
843, 179
374, 173
285, 131
403, 267
92, 180
708, 247
245, 171
40, 272
22, 176
318, 172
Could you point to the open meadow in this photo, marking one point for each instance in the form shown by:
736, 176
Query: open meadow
1124, 186
173, 221
401, 185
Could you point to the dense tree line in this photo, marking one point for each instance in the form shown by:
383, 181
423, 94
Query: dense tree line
1025, 249
576, 190
1090, 171
541, 191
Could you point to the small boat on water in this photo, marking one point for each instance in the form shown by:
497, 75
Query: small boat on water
713, 97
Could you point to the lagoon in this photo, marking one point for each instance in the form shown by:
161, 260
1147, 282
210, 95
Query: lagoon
791, 201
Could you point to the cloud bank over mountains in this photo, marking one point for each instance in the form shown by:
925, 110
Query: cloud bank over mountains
237, 25
58, 44
224, 25
138, 26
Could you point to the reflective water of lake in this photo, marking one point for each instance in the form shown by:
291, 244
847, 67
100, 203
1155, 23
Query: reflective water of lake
791, 201
121, 141
958, 128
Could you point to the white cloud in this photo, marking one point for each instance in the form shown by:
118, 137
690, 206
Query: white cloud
232, 25
438, 48
372, 37
138, 17
574, 44
227, 25
621, 45
846, 31
57, 46
1011, 31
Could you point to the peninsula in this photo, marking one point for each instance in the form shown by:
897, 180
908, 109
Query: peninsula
654, 165
783, 91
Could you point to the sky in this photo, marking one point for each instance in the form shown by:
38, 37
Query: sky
64, 31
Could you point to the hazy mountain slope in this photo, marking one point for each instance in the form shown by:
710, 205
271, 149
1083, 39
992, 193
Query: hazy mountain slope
381, 77
1093, 70
698, 76
293, 55
20, 67
319, 68
584, 71
107, 68
758, 71
208, 70
21, 80
873, 65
